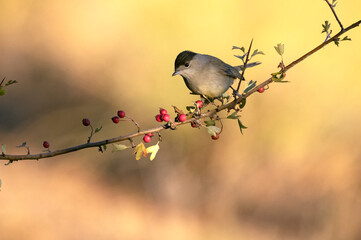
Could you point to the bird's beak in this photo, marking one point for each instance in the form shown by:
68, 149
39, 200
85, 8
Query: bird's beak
175, 73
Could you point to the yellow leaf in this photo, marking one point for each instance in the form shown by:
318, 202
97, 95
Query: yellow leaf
153, 150
139, 150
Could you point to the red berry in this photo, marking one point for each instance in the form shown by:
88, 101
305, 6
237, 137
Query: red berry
158, 118
86, 122
150, 134
215, 137
162, 111
193, 124
46, 144
115, 119
199, 104
182, 117
121, 114
147, 138
261, 90
165, 117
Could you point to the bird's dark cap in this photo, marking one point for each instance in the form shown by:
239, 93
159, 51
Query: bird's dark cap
183, 57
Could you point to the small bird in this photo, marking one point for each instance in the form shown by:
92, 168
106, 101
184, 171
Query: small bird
206, 75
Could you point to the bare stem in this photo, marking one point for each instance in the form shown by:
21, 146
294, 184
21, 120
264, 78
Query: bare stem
91, 133
135, 123
245, 66
334, 13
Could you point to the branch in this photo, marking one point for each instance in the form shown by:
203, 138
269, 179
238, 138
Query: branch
210, 113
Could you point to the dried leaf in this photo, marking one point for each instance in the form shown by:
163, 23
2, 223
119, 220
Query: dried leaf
139, 150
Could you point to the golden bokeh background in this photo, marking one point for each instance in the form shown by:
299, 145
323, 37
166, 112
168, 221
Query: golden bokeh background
295, 173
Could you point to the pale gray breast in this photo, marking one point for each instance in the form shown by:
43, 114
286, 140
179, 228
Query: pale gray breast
210, 76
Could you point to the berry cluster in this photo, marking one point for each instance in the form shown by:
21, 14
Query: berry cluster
162, 116
120, 114
148, 137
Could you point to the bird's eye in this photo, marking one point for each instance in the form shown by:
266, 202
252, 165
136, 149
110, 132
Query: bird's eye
186, 65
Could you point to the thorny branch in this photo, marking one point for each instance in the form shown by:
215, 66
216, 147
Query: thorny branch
210, 113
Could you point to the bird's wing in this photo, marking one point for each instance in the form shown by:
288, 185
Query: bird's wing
230, 71
224, 68
252, 64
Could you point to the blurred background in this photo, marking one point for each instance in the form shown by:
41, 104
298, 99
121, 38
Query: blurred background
295, 173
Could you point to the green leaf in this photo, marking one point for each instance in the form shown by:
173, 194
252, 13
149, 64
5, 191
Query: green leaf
153, 150
250, 85
256, 52
337, 42
0, 184
239, 48
346, 39
10, 82
241, 126
281, 81
210, 123
98, 129
2, 91
190, 108
233, 116
213, 130
242, 103
240, 57
105, 147
22, 145
326, 27
118, 147
334, 3
3, 148
280, 48
278, 77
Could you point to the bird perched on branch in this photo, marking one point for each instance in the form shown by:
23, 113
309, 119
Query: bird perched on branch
206, 75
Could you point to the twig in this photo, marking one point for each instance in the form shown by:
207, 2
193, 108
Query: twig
91, 133
2, 81
245, 66
135, 123
334, 13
